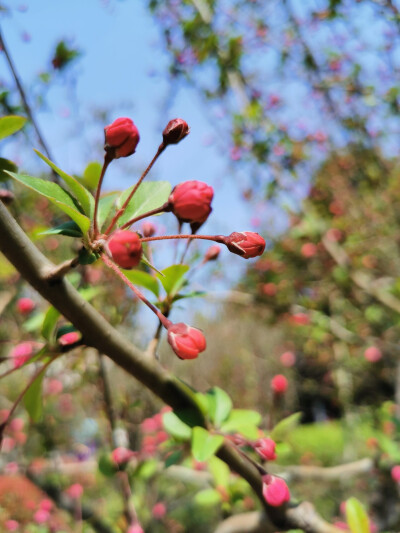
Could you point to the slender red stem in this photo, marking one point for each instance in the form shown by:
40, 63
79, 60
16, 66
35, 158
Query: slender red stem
215, 238
164, 320
107, 160
121, 211
162, 209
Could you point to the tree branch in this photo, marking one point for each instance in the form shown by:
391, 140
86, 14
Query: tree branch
99, 334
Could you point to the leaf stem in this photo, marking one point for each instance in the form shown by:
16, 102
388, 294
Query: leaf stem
164, 320
121, 211
215, 238
107, 160
165, 207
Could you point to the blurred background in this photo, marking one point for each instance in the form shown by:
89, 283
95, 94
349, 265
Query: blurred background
294, 112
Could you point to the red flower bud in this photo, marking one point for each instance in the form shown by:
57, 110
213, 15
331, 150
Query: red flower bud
148, 229
125, 248
69, 338
279, 384
25, 306
190, 201
266, 449
187, 342
175, 131
275, 490
121, 138
246, 243
212, 253
122, 455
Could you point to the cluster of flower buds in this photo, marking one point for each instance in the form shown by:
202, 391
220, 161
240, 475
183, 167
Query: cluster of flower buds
189, 201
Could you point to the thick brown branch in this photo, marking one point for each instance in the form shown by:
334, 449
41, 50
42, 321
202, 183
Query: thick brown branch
99, 334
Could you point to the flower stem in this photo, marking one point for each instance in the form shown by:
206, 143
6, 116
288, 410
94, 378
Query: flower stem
107, 160
121, 211
156, 211
215, 238
164, 320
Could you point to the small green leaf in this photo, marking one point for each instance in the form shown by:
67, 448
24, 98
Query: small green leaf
33, 399
83, 196
57, 195
356, 516
86, 257
10, 124
285, 426
5, 164
207, 497
34, 322
91, 174
242, 421
194, 294
173, 458
149, 196
204, 445
143, 279
106, 465
173, 278
105, 204
219, 471
49, 323
220, 405
70, 229
175, 427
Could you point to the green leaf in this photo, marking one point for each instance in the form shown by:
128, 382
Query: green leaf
106, 465
49, 323
219, 471
242, 421
34, 322
91, 174
207, 497
10, 124
173, 278
143, 279
194, 294
33, 399
204, 445
83, 196
175, 427
86, 257
88, 293
173, 458
5, 164
105, 204
149, 196
220, 405
285, 426
70, 229
356, 516
57, 195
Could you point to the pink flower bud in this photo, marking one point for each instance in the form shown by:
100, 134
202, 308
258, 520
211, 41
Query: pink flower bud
121, 455
309, 249
212, 253
69, 338
288, 359
148, 229
11, 525
41, 516
21, 353
25, 306
6, 196
175, 131
16, 424
75, 491
373, 354
121, 138
279, 384
395, 473
275, 491
46, 505
186, 341
190, 201
125, 248
246, 244
135, 528
159, 510
266, 449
